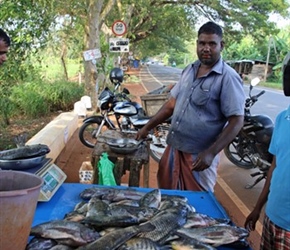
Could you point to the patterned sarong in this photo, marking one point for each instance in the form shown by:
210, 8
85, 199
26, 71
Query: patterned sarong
174, 171
274, 237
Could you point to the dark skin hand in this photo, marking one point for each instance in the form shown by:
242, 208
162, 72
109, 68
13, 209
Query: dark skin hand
164, 113
204, 159
253, 217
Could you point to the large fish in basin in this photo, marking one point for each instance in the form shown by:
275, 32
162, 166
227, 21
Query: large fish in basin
25, 152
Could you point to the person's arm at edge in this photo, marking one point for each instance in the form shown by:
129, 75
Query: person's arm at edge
163, 113
253, 217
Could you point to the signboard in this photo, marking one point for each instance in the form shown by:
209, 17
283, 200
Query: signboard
119, 28
119, 44
93, 54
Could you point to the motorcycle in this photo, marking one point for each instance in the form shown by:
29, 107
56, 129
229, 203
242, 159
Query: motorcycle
250, 147
129, 116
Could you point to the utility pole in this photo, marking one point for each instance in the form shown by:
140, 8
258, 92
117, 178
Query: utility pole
270, 44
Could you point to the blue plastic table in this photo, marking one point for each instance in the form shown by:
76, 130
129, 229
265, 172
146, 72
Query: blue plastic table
67, 196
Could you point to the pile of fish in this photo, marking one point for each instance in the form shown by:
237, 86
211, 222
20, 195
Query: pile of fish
126, 219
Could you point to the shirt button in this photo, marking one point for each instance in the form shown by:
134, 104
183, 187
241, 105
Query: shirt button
177, 122
172, 132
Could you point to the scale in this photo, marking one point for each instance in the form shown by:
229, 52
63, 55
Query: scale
53, 177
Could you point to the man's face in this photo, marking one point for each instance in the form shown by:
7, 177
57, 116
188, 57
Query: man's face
3, 51
208, 48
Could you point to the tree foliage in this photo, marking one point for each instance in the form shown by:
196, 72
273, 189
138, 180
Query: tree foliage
154, 27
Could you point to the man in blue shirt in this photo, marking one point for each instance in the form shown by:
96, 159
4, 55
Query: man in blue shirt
207, 109
276, 191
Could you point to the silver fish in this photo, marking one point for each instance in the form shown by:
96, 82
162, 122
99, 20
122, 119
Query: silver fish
97, 207
74, 216
203, 220
138, 243
88, 193
116, 238
151, 199
24, 152
115, 195
190, 244
65, 232
37, 243
142, 213
61, 247
174, 198
215, 235
111, 221
165, 223
81, 207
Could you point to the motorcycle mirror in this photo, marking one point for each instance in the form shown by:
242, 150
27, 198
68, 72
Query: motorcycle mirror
255, 81
126, 91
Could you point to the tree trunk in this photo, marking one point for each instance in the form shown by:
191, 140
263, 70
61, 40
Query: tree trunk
92, 42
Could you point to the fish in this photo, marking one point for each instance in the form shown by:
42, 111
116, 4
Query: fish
138, 243
190, 244
165, 223
116, 238
215, 235
97, 207
202, 220
151, 199
111, 221
142, 213
25, 152
173, 198
74, 216
88, 193
65, 232
111, 194
81, 207
167, 203
116, 195
37, 243
61, 247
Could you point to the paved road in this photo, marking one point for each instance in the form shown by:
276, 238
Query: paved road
230, 191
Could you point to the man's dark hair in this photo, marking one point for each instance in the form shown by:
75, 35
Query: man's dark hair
211, 28
4, 37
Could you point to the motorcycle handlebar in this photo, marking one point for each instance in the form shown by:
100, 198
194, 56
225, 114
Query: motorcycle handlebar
261, 93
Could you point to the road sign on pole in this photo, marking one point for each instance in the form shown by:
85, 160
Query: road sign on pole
119, 28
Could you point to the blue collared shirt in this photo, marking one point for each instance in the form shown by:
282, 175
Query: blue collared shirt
203, 106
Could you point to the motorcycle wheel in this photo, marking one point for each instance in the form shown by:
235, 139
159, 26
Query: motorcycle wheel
157, 147
87, 133
232, 153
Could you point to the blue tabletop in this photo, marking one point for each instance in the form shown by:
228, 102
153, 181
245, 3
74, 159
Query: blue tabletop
67, 196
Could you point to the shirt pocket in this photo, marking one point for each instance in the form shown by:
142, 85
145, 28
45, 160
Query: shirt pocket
200, 97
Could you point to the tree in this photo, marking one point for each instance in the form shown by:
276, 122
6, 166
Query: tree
154, 26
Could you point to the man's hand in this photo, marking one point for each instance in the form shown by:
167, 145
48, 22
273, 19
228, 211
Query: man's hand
141, 134
251, 220
203, 161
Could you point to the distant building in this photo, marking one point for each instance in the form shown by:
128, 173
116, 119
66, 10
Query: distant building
252, 68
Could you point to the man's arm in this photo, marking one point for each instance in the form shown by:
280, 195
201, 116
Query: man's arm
164, 113
205, 158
